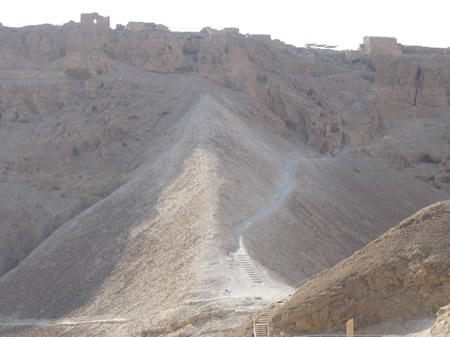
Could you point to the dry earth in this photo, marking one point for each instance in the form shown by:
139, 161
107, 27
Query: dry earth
337, 206
403, 275
127, 156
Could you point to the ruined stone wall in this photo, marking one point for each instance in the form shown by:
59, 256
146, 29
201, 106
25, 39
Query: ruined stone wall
231, 30
381, 46
93, 21
423, 50
141, 26
261, 37
215, 32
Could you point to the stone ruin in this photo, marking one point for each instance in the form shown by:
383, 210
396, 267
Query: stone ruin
214, 32
94, 21
146, 26
373, 45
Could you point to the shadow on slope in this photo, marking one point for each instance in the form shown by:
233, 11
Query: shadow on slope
135, 253
130, 249
65, 148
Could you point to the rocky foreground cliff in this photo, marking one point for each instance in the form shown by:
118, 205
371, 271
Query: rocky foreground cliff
401, 276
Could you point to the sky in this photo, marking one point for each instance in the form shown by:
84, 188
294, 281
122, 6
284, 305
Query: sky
340, 22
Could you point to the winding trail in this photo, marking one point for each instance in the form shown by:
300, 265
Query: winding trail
239, 252
276, 199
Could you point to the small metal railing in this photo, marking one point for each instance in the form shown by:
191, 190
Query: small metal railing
255, 325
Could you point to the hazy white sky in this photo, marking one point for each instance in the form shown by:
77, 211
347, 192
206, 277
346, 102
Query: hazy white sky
338, 22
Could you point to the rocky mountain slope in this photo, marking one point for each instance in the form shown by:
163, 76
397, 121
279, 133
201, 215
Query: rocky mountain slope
390, 107
404, 274
339, 205
136, 253
330, 99
128, 155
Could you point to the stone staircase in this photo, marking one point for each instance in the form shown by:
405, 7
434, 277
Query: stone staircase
229, 263
261, 322
260, 330
249, 267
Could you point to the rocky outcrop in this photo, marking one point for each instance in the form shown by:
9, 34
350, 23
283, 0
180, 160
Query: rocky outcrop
82, 66
404, 274
442, 325
328, 98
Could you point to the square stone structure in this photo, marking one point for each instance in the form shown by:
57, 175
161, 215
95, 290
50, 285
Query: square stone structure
381, 46
94, 21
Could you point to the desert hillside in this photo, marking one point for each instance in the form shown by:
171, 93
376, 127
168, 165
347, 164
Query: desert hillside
401, 276
338, 205
158, 183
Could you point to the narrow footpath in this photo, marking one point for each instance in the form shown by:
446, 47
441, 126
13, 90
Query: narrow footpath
239, 254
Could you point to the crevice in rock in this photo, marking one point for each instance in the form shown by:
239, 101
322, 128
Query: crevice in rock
418, 84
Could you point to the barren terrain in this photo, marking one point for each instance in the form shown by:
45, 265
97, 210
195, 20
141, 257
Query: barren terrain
171, 184
405, 272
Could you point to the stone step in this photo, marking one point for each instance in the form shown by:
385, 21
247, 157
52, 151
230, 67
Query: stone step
248, 266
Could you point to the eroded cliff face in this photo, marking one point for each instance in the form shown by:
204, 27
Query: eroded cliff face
68, 83
332, 100
404, 273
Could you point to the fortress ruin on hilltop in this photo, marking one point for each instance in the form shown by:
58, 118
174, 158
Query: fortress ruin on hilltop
372, 45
